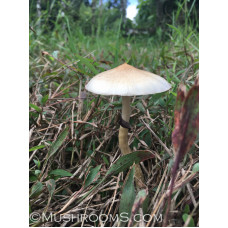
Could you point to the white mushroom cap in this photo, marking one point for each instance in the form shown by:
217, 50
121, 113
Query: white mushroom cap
126, 80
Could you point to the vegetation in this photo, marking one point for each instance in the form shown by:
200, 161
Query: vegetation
75, 163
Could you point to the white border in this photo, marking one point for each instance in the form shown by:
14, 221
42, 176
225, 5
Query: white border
213, 113
14, 46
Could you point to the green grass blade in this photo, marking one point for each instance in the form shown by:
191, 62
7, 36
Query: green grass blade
55, 145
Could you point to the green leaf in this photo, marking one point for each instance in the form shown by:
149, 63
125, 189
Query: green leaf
87, 63
128, 196
49, 74
174, 28
128, 160
37, 147
195, 168
91, 176
59, 141
61, 172
141, 107
44, 99
186, 209
36, 189
37, 172
51, 186
37, 163
35, 107
140, 198
191, 223
32, 178
105, 160
122, 164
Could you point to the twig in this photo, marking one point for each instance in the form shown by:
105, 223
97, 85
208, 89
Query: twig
159, 140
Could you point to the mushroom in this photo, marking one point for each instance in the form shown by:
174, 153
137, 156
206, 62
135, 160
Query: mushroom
127, 81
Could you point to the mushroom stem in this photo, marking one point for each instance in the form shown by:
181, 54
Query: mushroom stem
123, 139
126, 108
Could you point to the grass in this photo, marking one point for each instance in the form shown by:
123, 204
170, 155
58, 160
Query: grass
74, 134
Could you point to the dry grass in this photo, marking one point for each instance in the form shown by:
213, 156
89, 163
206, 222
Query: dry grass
92, 140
